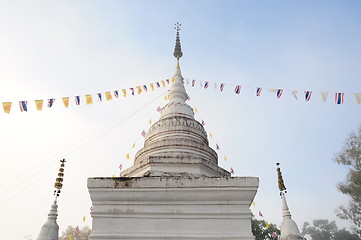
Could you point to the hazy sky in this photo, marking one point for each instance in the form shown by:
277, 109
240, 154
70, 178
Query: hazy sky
54, 49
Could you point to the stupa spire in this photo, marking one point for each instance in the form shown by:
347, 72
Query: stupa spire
177, 49
177, 91
50, 229
177, 144
289, 229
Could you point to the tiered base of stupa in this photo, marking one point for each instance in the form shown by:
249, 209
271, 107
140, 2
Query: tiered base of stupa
154, 208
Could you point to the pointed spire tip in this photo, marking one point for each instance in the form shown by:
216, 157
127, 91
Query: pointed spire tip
177, 50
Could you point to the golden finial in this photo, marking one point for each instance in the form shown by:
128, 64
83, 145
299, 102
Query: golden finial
177, 50
281, 185
59, 180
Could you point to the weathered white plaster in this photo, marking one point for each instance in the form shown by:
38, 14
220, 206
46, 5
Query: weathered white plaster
172, 208
289, 229
175, 189
177, 143
50, 229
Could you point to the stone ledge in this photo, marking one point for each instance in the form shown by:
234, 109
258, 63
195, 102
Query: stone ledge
177, 182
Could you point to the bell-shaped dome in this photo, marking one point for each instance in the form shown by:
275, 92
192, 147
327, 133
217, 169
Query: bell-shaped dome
177, 144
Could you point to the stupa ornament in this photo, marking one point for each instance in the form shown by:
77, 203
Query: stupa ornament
177, 144
177, 50
175, 189
50, 229
289, 229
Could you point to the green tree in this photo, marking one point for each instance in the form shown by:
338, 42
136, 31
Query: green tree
83, 234
261, 231
322, 229
350, 156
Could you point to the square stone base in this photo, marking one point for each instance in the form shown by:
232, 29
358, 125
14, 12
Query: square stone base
179, 208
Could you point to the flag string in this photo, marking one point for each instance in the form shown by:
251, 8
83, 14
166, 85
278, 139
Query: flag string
307, 94
86, 98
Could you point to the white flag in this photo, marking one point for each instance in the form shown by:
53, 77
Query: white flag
357, 97
272, 90
324, 96
294, 94
215, 85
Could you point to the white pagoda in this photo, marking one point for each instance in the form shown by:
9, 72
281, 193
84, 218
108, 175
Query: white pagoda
289, 228
175, 189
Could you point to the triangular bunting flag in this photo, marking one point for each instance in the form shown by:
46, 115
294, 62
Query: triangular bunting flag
23, 106
116, 94
294, 94
339, 98
99, 97
88, 99
39, 104
308, 95
124, 92
51, 102
258, 91
77, 100
108, 96
324, 96
66, 101
7, 107
151, 86
139, 90
357, 97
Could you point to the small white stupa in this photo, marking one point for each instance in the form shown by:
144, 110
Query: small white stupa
289, 229
50, 229
175, 190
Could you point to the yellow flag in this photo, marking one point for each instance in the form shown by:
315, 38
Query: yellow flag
7, 107
210, 135
124, 92
253, 203
113, 175
172, 79
163, 83
225, 159
215, 85
133, 145
139, 89
70, 237
267, 225
127, 156
39, 104
195, 110
84, 216
151, 86
89, 99
66, 101
108, 96
150, 122
166, 97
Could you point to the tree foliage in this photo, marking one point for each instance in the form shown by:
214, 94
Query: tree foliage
322, 229
350, 156
83, 234
261, 231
